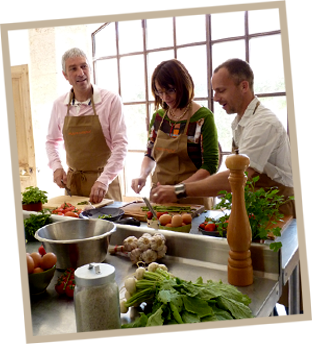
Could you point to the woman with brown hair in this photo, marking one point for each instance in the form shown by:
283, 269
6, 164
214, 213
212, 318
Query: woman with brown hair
183, 141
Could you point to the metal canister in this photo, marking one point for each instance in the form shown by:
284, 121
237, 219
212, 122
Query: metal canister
96, 298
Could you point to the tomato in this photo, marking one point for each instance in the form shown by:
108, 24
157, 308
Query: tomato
159, 213
71, 213
149, 215
48, 261
60, 287
69, 290
66, 209
210, 227
202, 225
41, 250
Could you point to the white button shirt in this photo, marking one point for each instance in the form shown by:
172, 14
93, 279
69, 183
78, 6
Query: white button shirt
263, 138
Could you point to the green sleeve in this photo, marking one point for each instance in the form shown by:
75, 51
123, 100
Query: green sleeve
210, 141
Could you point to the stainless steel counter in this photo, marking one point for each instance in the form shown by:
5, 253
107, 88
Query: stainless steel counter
188, 257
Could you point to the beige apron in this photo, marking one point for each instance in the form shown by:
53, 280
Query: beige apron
173, 165
86, 154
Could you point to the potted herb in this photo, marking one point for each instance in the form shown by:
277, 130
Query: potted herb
262, 206
33, 198
35, 222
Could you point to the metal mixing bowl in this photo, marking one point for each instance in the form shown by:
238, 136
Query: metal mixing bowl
76, 242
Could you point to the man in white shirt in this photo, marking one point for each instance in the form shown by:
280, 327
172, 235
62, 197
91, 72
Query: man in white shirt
257, 132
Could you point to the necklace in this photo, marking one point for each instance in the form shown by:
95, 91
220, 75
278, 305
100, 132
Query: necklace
183, 113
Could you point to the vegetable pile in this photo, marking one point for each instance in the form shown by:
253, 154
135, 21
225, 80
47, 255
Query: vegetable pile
67, 209
262, 206
35, 222
40, 261
33, 194
171, 300
147, 248
65, 284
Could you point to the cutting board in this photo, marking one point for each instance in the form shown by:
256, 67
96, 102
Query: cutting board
134, 210
283, 224
74, 200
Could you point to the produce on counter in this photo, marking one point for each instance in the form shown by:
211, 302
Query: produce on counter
35, 222
67, 209
163, 209
33, 195
171, 300
38, 262
65, 284
262, 206
147, 248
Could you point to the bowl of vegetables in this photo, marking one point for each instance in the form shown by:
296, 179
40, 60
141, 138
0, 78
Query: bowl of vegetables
104, 213
41, 268
77, 243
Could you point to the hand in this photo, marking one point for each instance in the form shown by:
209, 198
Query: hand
98, 192
163, 194
138, 184
59, 175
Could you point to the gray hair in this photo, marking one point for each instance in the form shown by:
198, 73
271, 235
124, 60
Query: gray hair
73, 52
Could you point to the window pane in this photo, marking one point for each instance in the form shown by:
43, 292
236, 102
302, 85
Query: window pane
135, 116
263, 20
301, 123
153, 60
279, 106
130, 36
224, 25
227, 50
105, 41
132, 171
223, 123
268, 67
106, 74
191, 29
132, 78
195, 61
159, 33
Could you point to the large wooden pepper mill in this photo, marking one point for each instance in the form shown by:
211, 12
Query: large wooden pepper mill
239, 236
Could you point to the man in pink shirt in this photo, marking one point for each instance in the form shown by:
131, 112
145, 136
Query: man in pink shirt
89, 121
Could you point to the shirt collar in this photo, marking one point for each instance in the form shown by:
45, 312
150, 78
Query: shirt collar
247, 114
96, 95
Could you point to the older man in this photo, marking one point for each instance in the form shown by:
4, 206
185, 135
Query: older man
90, 122
257, 132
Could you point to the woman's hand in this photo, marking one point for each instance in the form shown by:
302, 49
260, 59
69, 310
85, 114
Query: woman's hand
163, 194
138, 184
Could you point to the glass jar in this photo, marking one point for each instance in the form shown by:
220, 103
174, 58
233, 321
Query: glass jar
96, 298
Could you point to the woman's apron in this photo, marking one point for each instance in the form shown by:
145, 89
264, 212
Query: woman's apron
86, 154
286, 209
173, 164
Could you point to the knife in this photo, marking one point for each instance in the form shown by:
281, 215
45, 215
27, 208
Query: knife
147, 202
66, 188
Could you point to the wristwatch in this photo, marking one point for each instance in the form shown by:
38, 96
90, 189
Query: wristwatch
180, 191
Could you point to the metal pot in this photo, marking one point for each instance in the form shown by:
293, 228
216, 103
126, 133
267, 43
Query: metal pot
76, 242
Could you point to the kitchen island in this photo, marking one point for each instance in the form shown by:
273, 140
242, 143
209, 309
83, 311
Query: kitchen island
189, 256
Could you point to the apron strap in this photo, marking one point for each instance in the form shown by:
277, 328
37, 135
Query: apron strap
187, 122
71, 97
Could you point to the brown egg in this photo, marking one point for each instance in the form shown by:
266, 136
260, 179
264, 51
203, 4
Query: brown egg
165, 219
37, 258
30, 264
48, 261
187, 218
176, 220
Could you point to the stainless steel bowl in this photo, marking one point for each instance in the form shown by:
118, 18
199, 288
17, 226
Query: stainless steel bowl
76, 242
